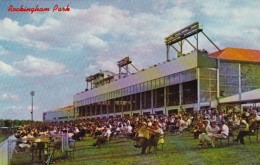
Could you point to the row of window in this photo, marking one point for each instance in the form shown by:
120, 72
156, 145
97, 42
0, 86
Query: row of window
142, 87
144, 100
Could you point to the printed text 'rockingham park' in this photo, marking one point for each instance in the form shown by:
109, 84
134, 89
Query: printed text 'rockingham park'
37, 8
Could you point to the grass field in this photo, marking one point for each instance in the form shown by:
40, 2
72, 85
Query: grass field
3, 137
178, 150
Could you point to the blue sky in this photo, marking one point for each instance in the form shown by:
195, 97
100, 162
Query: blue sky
51, 53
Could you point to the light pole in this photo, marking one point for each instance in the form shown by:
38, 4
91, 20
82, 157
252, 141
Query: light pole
32, 93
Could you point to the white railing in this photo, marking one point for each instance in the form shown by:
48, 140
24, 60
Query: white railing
64, 141
6, 150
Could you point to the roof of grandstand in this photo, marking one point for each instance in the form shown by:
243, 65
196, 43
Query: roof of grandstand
237, 54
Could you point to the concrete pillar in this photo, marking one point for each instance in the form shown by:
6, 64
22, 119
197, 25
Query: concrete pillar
198, 88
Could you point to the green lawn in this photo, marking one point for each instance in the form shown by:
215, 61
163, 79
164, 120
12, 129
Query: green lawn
179, 149
3, 137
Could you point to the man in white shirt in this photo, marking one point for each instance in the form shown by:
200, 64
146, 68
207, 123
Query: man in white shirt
222, 135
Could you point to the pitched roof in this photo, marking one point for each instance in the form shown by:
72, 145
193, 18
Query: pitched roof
237, 54
67, 107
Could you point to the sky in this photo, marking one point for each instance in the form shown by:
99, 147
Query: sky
51, 53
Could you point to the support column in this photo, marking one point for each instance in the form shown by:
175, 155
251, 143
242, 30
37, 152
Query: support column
218, 85
152, 101
131, 106
114, 109
165, 101
141, 108
197, 44
167, 52
119, 76
101, 108
121, 104
180, 95
239, 81
107, 107
198, 88
95, 106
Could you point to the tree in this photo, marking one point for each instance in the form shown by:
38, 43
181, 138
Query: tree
8, 123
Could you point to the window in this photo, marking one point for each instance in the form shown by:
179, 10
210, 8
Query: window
172, 95
145, 85
149, 85
153, 84
167, 80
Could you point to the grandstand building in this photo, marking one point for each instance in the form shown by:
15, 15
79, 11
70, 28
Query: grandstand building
192, 81
62, 114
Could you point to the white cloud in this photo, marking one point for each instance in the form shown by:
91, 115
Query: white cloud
234, 25
101, 65
8, 96
6, 69
32, 66
87, 27
91, 69
111, 31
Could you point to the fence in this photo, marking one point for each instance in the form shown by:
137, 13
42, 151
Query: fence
64, 141
6, 150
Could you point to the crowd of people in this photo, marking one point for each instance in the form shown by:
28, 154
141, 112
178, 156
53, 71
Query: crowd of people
212, 125
148, 131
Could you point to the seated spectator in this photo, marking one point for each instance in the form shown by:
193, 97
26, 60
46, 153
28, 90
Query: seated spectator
199, 128
257, 116
103, 138
211, 129
222, 135
245, 129
183, 124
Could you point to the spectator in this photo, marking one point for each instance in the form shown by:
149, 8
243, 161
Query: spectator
222, 135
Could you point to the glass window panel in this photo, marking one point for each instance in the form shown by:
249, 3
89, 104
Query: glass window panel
213, 74
204, 85
193, 74
232, 80
145, 86
124, 92
158, 83
213, 96
222, 79
213, 85
176, 78
141, 87
119, 93
128, 90
187, 75
204, 73
182, 77
149, 85
167, 80
162, 82
134, 88
153, 84
204, 96
138, 88
172, 79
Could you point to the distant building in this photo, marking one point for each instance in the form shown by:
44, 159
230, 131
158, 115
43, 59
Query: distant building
62, 114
